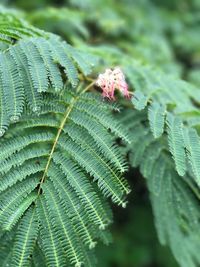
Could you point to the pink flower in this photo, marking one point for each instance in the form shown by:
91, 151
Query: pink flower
111, 80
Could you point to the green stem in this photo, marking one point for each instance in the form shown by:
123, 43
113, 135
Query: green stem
60, 129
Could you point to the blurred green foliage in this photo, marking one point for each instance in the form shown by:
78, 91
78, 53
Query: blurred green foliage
134, 237
162, 33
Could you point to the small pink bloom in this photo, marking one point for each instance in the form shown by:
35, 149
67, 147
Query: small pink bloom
111, 80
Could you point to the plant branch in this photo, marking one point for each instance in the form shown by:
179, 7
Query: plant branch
66, 116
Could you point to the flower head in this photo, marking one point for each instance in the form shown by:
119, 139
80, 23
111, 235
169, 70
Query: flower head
111, 80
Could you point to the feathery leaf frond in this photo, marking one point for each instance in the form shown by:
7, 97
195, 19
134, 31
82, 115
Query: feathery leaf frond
61, 170
32, 65
175, 199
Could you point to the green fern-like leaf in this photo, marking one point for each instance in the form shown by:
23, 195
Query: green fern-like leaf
176, 143
156, 119
192, 144
13, 28
56, 172
139, 100
35, 63
175, 199
25, 239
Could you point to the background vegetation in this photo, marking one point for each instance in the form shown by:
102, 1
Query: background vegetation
161, 34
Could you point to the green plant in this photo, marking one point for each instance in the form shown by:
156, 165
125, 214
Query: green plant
50, 156
65, 149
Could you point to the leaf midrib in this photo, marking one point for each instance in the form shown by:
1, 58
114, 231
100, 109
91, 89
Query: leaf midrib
60, 129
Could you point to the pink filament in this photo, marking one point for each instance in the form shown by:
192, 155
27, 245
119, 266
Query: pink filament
112, 80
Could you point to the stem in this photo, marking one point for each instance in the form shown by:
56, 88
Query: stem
84, 78
66, 116
88, 87
192, 187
